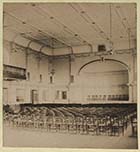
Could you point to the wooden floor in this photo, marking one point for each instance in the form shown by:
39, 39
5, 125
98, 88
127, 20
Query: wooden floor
19, 137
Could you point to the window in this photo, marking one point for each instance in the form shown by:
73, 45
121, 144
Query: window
51, 79
64, 95
40, 77
14, 72
28, 75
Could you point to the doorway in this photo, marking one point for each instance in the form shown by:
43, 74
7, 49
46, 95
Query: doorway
34, 96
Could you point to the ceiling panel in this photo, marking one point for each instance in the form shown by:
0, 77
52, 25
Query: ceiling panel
71, 23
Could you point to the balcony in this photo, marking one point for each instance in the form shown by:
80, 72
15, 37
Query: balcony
12, 72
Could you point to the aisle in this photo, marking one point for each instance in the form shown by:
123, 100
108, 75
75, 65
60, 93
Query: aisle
32, 138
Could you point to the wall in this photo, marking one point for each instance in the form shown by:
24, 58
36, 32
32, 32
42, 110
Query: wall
34, 68
76, 91
63, 68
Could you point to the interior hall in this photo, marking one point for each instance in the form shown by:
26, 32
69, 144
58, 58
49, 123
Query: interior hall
70, 75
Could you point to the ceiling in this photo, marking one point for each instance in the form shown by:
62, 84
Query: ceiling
58, 25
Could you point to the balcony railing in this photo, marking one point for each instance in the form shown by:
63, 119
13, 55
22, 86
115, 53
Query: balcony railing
13, 72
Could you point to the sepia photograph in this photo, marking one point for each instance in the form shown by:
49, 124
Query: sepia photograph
70, 75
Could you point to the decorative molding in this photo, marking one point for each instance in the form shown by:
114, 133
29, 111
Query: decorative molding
98, 60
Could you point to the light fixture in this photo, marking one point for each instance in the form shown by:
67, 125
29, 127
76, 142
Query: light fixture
82, 12
23, 22
51, 17
39, 31
33, 5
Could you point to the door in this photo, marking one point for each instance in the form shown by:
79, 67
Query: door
34, 96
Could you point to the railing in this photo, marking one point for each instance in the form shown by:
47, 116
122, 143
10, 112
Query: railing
13, 72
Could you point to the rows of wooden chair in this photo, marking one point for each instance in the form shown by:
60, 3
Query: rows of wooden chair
122, 97
101, 120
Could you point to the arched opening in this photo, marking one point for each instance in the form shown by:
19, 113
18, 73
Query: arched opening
104, 81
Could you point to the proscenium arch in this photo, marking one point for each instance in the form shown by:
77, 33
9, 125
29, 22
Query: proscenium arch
120, 62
